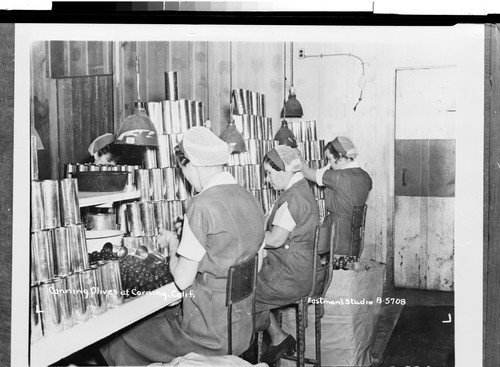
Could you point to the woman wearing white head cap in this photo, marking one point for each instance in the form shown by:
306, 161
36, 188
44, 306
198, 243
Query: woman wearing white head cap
104, 151
286, 276
348, 186
223, 225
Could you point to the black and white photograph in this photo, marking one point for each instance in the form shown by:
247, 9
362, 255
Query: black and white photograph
268, 195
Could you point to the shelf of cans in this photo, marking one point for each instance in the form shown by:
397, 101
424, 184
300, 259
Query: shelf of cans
162, 186
65, 288
162, 201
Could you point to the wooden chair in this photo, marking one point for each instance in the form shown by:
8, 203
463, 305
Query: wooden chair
241, 285
322, 275
358, 219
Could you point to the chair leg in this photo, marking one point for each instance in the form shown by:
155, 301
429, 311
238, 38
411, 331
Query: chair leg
318, 314
260, 337
301, 320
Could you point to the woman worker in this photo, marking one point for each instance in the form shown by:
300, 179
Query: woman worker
348, 186
223, 225
104, 151
286, 275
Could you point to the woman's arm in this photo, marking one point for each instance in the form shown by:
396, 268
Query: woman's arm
183, 270
308, 172
276, 237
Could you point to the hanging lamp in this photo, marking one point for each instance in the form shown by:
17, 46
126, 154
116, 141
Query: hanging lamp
293, 106
284, 135
138, 129
230, 134
39, 145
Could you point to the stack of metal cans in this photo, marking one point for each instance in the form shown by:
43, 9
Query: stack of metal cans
312, 151
65, 288
257, 131
163, 195
171, 118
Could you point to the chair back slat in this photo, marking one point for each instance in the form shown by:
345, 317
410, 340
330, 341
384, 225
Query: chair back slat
323, 264
358, 229
241, 285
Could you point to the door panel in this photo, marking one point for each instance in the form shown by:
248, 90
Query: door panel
409, 175
424, 178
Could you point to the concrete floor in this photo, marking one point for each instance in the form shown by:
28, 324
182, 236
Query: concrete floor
390, 313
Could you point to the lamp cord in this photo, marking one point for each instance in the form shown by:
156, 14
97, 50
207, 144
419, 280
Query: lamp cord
360, 98
284, 81
138, 80
230, 81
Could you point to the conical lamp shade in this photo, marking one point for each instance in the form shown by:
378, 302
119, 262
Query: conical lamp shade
233, 138
39, 145
137, 129
285, 136
292, 106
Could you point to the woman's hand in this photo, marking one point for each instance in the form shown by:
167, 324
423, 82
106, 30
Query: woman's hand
168, 239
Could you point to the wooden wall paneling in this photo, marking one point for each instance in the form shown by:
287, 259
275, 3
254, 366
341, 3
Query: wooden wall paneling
408, 242
108, 56
491, 271
238, 71
423, 238
108, 107
440, 255
218, 85
142, 53
65, 122
274, 83
118, 95
85, 117
54, 129
199, 80
58, 52
40, 92
156, 66
129, 52
78, 56
179, 62
95, 57
93, 109
76, 138
103, 111
99, 57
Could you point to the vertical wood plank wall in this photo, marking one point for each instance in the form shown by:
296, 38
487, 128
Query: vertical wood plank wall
204, 74
491, 269
73, 82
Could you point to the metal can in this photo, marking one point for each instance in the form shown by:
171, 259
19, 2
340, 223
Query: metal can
78, 247
41, 243
171, 90
37, 211
60, 238
50, 193
112, 283
96, 300
69, 201
50, 309
77, 298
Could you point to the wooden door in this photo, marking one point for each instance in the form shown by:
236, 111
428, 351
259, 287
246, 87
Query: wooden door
424, 178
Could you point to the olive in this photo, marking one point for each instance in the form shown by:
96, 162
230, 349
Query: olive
108, 246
